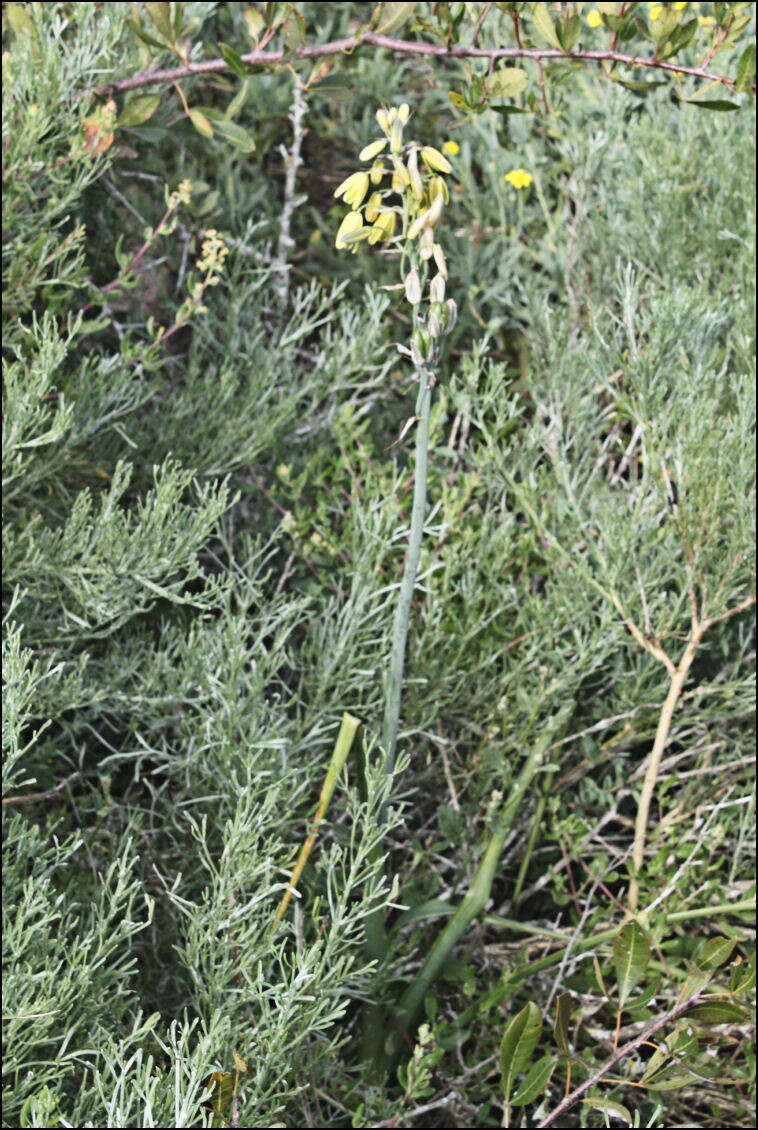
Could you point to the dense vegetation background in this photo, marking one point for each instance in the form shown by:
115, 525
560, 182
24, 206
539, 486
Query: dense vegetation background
203, 532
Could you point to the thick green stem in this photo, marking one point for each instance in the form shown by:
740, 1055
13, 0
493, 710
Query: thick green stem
408, 583
376, 937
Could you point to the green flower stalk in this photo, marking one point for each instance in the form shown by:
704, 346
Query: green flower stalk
408, 194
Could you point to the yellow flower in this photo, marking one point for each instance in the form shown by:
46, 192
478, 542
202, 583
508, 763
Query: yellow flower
353, 189
519, 178
353, 221
706, 21
655, 11
438, 187
594, 19
370, 151
435, 161
376, 173
383, 228
383, 119
678, 7
373, 205
451, 147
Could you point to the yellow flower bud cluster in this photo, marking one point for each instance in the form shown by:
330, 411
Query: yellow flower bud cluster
414, 173
181, 194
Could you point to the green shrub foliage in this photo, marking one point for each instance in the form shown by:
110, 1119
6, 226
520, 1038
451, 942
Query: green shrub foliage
206, 495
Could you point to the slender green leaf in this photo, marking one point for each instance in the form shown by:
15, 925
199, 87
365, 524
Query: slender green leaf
201, 123
536, 1081
715, 952
544, 24
139, 109
518, 1043
745, 69
232, 59
631, 954
608, 1107
563, 1009
742, 978
716, 1012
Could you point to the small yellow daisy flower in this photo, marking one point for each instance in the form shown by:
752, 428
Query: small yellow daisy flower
594, 19
519, 178
452, 148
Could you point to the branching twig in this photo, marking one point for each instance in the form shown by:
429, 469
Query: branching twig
622, 1053
292, 161
400, 46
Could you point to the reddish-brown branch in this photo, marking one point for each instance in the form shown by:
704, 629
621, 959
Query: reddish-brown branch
622, 1053
262, 58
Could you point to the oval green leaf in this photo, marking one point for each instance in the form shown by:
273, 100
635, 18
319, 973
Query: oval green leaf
631, 955
518, 1043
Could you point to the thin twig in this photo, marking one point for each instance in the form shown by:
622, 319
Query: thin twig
292, 161
28, 798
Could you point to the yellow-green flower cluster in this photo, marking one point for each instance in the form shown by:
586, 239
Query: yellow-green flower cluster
398, 169
181, 194
212, 255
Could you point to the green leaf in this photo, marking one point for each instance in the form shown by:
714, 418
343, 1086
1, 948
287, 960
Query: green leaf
544, 25
144, 36
201, 123
569, 31
712, 103
160, 14
631, 954
716, 1012
745, 69
239, 100
743, 976
644, 997
393, 16
20, 20
506, 82
235, 135
138, 110
232, 59
432, 908
518, 1043
294, 31
254, 22
715, 952
536, 1081
563, 1009
607, 1106
222, 1083
673, 1083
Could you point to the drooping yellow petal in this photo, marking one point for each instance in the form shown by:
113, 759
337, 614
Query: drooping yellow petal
353, 221
435, 160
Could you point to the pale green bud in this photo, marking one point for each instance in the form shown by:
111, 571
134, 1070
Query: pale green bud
452, 314
439, 259
396, 137
384, 227
382, 118
403, 112
413, 287
437, 289
401, 173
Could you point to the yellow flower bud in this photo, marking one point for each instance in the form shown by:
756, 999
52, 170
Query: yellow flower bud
353, 189
401, 172
435, 161
404, 112
382, 118
376, 173
438, 187
413, 287
451, 147
353, 221
396, 137
417, 187
370, 151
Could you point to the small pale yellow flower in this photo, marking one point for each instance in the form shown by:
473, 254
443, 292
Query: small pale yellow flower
519, 178
438, 187
417, 187
451, 147
353, 221
435, 161
594, 19
404, 112
384, 227
706, 21
376, 173
655, 11
680, 6
353, 189
373, 205
383, 119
